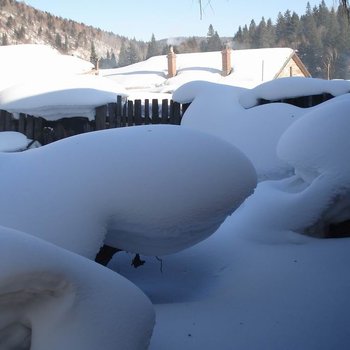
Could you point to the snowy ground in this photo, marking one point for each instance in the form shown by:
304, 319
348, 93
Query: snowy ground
255, 282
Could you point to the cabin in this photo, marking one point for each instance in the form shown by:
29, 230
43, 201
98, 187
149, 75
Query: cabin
244, 68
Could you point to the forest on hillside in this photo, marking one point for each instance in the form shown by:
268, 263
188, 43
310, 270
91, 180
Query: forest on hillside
321, 37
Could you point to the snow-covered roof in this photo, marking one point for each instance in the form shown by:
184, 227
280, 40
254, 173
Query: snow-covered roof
250, 68
38, 80
17, 62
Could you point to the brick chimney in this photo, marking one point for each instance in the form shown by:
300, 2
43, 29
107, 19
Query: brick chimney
226, 61
171, 63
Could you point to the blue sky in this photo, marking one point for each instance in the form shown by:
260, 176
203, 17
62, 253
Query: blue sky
169, 18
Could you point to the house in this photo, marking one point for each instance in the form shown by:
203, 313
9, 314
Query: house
244, 68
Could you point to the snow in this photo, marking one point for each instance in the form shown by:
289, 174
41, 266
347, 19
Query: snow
38, 80
293, 87
12, 141
231, 274
20, 62
56, 97
317, 147
53, 299
250, 68
132, 200
254, 131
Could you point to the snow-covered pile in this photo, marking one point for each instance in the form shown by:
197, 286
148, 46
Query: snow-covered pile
254, 131
293, 87
152, 189
55, 97
38, 80
20, 62
257, 283
317, 146
12, 141
53, 299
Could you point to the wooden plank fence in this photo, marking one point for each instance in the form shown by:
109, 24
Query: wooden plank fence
301, 101
123, 113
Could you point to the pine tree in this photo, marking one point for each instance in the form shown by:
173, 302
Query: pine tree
4, 39
93, 54
152, 48
58, 41
213, 42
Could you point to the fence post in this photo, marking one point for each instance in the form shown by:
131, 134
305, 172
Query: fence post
165, 112
130, 113
138, 113
29, 131
147, 118
176, 113
22, 123
119, 112
112, 107
155, 111
101, 117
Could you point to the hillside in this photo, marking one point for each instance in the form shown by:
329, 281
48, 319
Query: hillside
20, 24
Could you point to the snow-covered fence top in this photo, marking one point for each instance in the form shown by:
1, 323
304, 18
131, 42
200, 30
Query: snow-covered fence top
113, 115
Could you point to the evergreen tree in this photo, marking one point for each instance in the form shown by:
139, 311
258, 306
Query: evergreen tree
93, 54
4, 39
152, 48
213, 42
58, 41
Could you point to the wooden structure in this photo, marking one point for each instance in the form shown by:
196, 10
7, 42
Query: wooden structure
293, 67
114, 115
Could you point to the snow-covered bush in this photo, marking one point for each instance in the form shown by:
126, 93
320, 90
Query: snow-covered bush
152, 190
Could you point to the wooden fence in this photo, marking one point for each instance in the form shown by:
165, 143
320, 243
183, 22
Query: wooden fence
301, 101
114, 115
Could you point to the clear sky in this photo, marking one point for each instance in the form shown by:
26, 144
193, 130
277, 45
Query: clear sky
170, 18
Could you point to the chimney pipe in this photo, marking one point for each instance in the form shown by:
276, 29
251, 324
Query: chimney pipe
226, 61
171, 63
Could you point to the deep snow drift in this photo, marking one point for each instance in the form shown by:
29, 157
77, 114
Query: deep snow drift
152, 190
53, 299
254, 131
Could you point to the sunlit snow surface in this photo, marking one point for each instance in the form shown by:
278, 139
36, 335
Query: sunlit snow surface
256, 283
53, 299
151, 189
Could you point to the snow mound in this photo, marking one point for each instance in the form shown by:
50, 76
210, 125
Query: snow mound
151, 189
12, 141
254, 131
54, 97
317, 146
290, 87
67, 302
30, 61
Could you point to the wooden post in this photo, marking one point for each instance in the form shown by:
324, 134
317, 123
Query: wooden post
130, 113
112, 107
22, 123
119, 112
101, 117
155, 111
29, 132
138, 112
2, 120
176, 113
38, 129
165, 112
124, 113
147, 118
